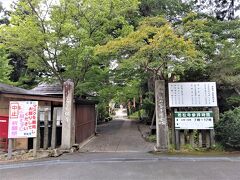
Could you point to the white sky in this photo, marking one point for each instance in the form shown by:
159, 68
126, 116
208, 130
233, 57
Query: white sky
6, 3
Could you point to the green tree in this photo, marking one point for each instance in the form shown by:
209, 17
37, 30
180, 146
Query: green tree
168, 8
154, 51
227, 69
154, 47
5, 68
227, 129
218, 42
58, 39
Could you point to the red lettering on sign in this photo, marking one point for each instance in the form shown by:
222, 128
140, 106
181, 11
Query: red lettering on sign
14, 110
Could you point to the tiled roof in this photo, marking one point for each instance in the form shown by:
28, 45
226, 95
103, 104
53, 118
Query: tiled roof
48, 89
12, 89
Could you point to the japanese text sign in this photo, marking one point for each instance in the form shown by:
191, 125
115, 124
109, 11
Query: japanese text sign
194, 120
23, 119
194, 94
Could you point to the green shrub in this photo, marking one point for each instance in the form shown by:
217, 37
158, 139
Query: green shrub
151, 138
102, 111
135, 115
228, 129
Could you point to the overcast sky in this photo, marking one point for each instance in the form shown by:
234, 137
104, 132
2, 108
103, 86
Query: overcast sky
6, 3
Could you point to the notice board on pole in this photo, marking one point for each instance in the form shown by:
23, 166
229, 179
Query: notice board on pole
23, 119
192, 94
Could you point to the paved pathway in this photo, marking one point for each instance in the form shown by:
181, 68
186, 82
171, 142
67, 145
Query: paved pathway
119, 135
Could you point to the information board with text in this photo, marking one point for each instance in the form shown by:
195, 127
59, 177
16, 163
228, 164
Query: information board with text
23, 119
194, 120
192, 94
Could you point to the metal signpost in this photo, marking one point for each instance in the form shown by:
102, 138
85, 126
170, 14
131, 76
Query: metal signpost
23, 117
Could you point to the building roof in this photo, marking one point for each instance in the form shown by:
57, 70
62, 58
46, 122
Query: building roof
16, 92
48, 89
5, 88
44, 91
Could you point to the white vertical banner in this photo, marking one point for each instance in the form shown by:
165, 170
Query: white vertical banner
23, 119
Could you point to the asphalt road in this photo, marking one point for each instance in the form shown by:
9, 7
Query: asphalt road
119, 152
111, 166
119, 135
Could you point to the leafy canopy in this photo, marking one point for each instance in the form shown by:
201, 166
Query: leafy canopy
154, 47
58, 38
5, 68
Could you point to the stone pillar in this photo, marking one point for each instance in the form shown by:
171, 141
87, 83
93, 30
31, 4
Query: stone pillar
161, 116
67, 115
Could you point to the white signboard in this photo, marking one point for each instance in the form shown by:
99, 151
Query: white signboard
192, 94
194, 120
22, 119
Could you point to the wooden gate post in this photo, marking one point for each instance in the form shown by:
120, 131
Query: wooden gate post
191, 138
182, 138
177, 146
200, 140
173, 127
45, 138
54, 126
161, 116
10, 147
38, 132
215, 120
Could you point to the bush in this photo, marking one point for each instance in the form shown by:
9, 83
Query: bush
228, 129
102, 111
152, 138
135, 115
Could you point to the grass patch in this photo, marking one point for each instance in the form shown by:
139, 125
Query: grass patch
135, 115
188, 150
151, 138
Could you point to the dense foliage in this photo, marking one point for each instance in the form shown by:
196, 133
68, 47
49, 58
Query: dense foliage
5, 68
227, 129
58, 39
117, 49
